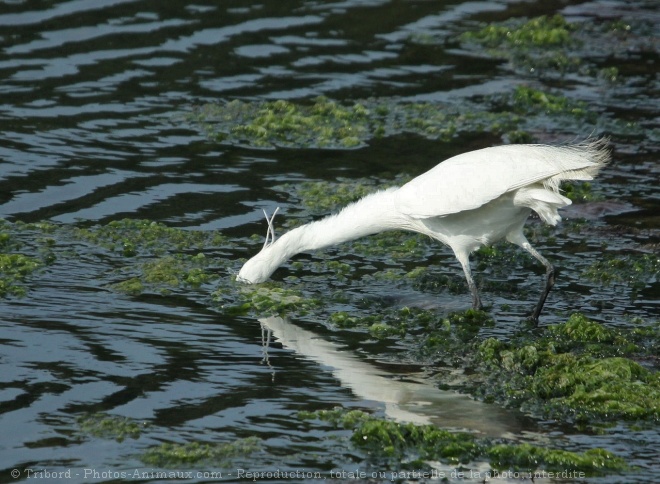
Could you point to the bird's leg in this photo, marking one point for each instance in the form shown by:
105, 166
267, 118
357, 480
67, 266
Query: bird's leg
465, 263
518, 238
549, 281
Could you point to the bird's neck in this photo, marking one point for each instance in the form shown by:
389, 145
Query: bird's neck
372, 214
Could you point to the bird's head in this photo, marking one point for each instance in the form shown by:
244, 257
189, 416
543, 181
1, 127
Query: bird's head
256, 270
261, 266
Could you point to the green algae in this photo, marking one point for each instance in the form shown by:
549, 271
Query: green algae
172, 255
608, 388
540, 108
545, 44
401, 441
427, 280
527, 100
519, 137
162, 258
108, 426
447, 338
324, 123
510, 114
210, 453
396, 245
467, 323
581, 192
5, 238
579, 329
633, 270
389, 322
328, 196
413, 444
131, 237
427, 331
132, 287
264, 299
499, 257
24, 250
580, 371
541, 46
165, 273
530, 458
541, 31
550, 46
14, 271
43, 227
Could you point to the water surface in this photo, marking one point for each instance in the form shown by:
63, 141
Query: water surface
94, 98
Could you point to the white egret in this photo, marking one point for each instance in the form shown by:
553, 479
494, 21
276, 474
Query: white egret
467, 201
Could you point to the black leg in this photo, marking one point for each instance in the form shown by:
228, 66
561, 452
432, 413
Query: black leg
549, 282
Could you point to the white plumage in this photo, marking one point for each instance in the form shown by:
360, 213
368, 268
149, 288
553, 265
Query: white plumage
467, 201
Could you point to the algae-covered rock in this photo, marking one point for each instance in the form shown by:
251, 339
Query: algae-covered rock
608, 388
578, 371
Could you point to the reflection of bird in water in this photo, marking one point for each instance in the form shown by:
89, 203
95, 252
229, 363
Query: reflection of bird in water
470, 200
407, 397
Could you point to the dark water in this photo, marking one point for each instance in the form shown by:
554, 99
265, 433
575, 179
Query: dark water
92, 129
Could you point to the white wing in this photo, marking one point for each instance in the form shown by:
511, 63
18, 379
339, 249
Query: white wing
470, 180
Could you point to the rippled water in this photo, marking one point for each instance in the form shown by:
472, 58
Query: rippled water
92, 126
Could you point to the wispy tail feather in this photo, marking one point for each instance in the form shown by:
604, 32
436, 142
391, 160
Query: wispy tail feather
581, 161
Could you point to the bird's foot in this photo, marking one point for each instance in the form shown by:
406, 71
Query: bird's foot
532, 320
477, 305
